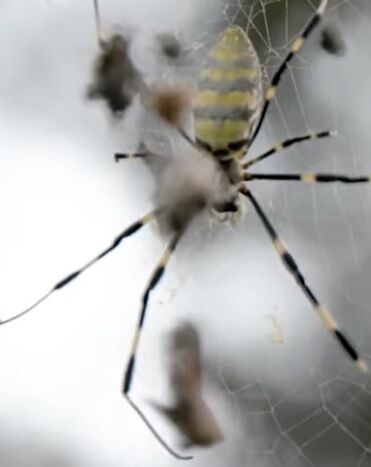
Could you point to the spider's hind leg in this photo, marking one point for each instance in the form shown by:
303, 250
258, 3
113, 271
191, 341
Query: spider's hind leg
291, 265
296, 46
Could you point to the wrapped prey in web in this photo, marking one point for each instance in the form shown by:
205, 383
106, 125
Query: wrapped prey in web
190, 412
115, 79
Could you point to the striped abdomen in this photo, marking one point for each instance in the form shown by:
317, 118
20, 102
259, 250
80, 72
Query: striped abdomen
229, 95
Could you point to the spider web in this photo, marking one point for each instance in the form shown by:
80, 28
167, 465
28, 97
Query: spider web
297, 401
294, 398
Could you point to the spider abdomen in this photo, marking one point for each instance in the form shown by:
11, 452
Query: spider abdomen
229, 95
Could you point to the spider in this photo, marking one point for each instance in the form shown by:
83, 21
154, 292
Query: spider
229, 112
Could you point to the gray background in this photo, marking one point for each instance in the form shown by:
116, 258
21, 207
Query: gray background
62, 199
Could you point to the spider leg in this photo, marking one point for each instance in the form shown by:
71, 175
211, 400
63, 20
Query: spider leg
295, 48
290, 264
100, 38
142, 153
308, 177
121, 155
129, 372
131, 230
153, 282
153, 430
279, 147
195, 144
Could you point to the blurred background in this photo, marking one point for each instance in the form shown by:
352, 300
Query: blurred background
285, 394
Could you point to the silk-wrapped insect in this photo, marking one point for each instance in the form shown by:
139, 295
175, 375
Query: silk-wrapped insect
189, 413
116, 80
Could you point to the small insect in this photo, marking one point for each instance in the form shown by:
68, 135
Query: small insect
229, 112
332, 40
116, 79
190, 413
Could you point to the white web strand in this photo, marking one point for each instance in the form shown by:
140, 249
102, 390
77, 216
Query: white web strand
316, 222
69, 200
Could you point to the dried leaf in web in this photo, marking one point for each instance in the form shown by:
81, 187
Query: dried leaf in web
185, 352
190, 413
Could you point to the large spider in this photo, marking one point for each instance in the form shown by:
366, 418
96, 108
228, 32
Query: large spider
230, 110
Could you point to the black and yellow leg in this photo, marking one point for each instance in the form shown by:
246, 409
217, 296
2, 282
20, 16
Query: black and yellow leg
295, 48
129, 372
154, 280
286, 144
290, 264
132, 229
151, 428
308, 177
121, 155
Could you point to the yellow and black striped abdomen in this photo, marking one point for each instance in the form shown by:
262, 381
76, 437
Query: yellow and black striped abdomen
229, 94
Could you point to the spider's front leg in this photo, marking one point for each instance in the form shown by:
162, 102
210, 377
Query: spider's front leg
296, 46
